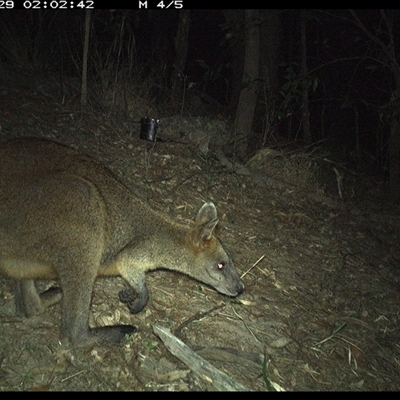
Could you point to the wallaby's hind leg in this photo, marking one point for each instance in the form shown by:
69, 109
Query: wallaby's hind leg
29, 302
77, 294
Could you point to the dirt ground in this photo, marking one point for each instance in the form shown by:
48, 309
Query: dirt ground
320, 310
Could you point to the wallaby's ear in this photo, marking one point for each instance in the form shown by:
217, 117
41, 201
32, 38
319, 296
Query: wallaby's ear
206, 231
206, 221
206, 213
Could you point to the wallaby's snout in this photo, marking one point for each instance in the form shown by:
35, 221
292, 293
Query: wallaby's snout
239, 288
65, 216
235, 288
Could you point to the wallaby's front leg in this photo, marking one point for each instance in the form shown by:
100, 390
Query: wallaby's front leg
29, 302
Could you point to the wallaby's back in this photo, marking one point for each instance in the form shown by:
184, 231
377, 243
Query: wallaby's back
72, 181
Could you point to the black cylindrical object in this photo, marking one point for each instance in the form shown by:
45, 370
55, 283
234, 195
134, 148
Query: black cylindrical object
148, 129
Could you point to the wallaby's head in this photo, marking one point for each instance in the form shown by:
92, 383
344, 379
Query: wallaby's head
212, 263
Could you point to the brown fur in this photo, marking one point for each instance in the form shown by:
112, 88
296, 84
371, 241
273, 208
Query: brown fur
64, 216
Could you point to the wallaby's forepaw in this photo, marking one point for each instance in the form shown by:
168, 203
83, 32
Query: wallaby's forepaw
127, 295
134, 300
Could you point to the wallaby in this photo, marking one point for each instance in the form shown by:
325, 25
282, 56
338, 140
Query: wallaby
65, 216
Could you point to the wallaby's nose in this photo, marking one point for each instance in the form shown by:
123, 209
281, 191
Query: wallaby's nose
240, 287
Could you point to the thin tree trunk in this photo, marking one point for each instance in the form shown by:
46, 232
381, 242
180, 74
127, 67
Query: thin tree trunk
85, 59
305, 121
394, 153
234, 19
270, 42
248, 96
181, 47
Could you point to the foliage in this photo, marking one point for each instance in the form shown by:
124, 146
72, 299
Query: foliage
291, 88
26, 41
212, 73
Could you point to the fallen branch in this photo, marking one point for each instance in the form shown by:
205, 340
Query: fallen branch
197, 364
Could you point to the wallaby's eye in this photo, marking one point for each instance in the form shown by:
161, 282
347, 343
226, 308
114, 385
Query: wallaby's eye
220, 265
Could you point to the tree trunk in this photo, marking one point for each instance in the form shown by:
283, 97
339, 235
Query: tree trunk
394, 152
394, 139
270, 49
248, 95
181, 47
85, 58
269, 74
305, 120
234, 19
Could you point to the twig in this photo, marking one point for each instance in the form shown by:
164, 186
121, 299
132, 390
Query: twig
335, 331
195, 317
260, 259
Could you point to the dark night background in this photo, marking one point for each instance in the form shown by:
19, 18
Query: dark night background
350, 77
